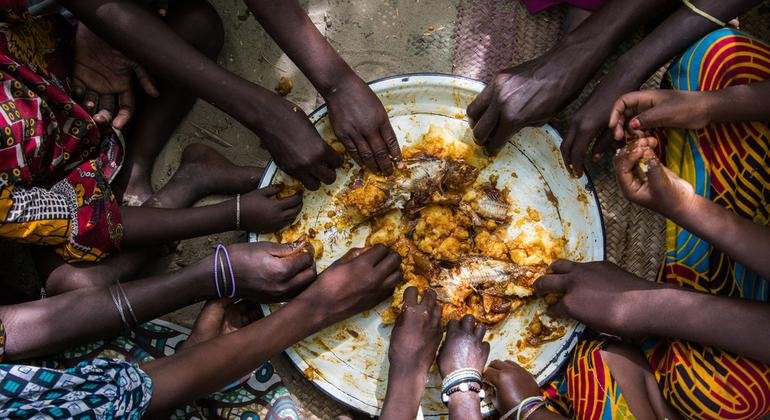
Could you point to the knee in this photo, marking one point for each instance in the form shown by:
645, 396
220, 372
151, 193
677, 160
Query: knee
67, 278
198, 23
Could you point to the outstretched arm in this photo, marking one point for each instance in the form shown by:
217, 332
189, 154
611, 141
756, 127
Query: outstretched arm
264, 272
413, 344
357, 116
635, 112
535, 91
45, 326
356, 282
662, 191
670, 38
259, 211
282, 126
610, 300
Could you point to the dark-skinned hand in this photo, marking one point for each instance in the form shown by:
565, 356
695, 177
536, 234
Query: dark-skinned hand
361, 124
360, 279
268, 272
296, 146
102, 79
598, 294
513, 384
525, 95
636, 112
416, 334
659, 189
262, 211
590, 122
464, 346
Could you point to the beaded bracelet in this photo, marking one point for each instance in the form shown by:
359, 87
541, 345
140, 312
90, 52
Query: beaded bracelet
462, 387
461, 373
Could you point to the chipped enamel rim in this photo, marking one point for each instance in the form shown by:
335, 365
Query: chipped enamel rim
329, 380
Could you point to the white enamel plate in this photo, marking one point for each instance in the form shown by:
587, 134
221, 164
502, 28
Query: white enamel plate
348, 361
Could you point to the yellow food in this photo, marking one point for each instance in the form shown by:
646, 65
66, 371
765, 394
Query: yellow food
453, 236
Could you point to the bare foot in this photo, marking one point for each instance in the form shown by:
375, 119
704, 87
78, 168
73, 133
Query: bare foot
464, 346
132, 186
203, 171
211, 173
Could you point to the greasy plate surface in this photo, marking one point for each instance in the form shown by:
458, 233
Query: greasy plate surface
349, 360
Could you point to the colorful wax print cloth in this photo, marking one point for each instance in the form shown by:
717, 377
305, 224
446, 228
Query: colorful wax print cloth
261, 395
95, 389
55, 164
730, 165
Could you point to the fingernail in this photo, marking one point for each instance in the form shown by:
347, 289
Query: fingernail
635, 124
598, 157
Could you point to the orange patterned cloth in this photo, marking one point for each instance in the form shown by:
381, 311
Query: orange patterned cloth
730, 165
55, 165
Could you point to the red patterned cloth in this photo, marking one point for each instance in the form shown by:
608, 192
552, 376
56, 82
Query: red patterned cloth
55, 165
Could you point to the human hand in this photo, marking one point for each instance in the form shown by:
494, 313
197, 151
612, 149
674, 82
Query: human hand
658, 188
102, 79
268, 272
590, 121
513, 384
356, 282
635, 112
525, 95
598, 294
416, 334
219, 317
296, 146
464, 346
361, 124
262, 211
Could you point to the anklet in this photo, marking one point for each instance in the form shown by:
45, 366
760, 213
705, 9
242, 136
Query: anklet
237, 212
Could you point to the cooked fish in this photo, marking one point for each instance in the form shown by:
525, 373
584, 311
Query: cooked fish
419, 182
490, 277
492, 204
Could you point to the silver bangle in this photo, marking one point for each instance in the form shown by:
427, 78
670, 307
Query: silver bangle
237, 212
128, 304
119, 306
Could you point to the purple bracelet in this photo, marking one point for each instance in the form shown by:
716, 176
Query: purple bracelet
232, 275
216, 272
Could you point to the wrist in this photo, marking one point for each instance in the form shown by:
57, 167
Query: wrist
404, 375
315, 315
339, 83
684, 210
202, 273
466, 404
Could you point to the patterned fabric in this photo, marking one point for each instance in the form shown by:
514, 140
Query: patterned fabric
55, 166
101, 388
261, 395
730, 165
586, 389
